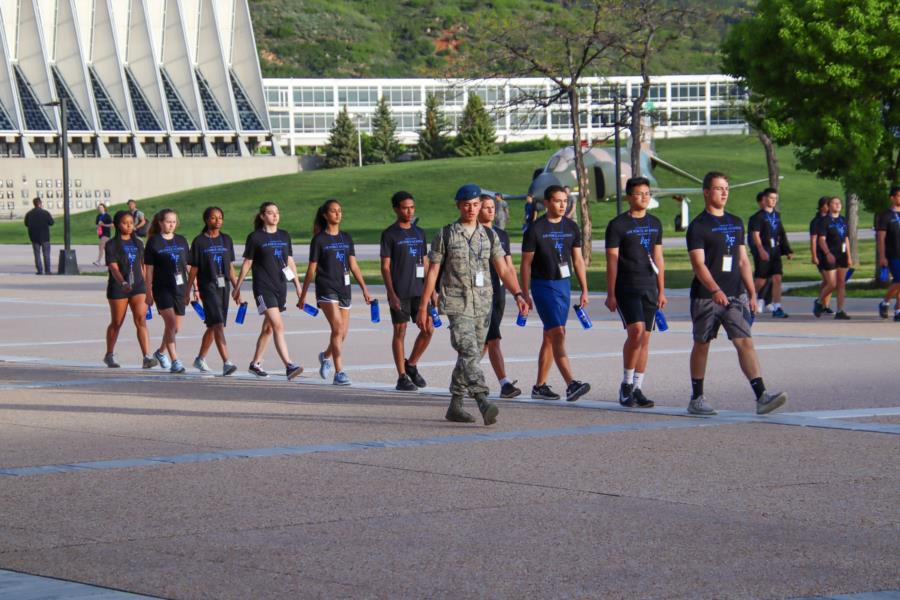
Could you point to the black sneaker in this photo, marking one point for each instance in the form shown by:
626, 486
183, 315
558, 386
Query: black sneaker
293, 371
818, 308
543, 392
897, 317
414, 375
827, 310
509, 390
576, 389
257, 370
405, 384
641, 400
841, 316
883, 309
626, 396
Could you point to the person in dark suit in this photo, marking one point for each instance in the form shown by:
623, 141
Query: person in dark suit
38, 221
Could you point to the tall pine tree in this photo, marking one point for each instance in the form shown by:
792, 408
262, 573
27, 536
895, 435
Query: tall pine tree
433, 142
477, 135
385, 147
341, 150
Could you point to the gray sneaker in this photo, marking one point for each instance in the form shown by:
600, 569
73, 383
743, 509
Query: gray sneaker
110, 361
770, 402
698, 406
200, 365
227, 369
340, 378
150, 362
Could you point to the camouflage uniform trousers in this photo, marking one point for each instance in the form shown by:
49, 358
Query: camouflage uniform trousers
467, 337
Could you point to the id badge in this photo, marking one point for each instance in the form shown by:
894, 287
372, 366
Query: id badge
844, 248
772, 242
288, 273
726, 263
564, 270
179, 279
479, 279
346, 278
260, 305
420, 271
220, 281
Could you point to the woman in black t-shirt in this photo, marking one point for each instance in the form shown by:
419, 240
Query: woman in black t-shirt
212, 253
269, 253
835, 258
166, 260
126, 288
331, 261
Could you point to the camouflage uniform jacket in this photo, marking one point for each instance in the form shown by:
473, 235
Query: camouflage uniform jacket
461, 259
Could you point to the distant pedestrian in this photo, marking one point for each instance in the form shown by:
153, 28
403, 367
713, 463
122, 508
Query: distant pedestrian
887, 229
104, 224
817, 256
768, 243
531, 211
140, 221
38, 221
570, 203
501, 212
834, 244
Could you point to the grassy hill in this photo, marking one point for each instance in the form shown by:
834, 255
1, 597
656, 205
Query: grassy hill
419, 38
365, 192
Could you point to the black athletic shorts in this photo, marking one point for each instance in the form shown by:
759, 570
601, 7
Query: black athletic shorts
330, 296
169, 298
498, 306
270, 299
115, 291
409, 308
840, 262
215, 304
764, 269
637, 306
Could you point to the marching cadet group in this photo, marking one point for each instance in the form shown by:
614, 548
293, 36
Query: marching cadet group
466, 275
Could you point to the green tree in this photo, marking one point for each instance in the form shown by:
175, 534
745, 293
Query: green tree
830, 73
433, 142
341, 149
477, 136
384, 144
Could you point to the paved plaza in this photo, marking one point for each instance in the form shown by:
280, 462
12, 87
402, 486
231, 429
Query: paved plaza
127, 483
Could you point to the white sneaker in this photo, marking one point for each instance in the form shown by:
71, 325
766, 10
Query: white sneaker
200, 365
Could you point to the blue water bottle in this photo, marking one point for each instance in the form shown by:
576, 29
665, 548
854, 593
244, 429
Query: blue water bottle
241, 313
848, 275
310, 310
521, 319
884, 274
435, 318
198, 308
583, 317
376, 314
149, 313
661, 324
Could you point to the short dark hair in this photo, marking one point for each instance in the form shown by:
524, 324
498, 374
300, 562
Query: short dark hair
769, 190
634, 182
553, 189
760, 196
130, 200
484, 197
399, 197
894, 189
823, 201
708, 178
37, 201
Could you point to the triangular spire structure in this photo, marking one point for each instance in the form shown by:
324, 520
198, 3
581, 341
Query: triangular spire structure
142, 67
107, 65
70, 64
176, 61
10, 116
33, 73
245, 62
212, 68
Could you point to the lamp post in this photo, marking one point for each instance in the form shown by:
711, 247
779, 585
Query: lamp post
358, 137
618, 152
68, 263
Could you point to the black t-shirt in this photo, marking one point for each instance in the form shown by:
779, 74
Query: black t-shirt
503, 237
38, 222
552, 245
103, 218
889, 222
213, 257
635, 239
129, 255
769, 226
270, 253
168, 257
719, 238
814, 232
407, 249
835, 232
332, 254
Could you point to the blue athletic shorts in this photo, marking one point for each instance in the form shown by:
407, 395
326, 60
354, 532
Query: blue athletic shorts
551, 299
894, 266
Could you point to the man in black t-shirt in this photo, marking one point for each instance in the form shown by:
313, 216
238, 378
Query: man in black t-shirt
635, 284
768, 243
887, 233
38, 221
486, 217
719, 295
404, 261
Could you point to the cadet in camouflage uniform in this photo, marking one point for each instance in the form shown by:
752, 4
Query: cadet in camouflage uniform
462, 253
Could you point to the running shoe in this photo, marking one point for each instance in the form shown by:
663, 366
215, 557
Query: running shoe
841, 316
340, 378
576, 389
96, 263
828, 310
414, 375
509, 390
405, 384
325, 366
110, 361
176, 367
769, 402
164, 361
200, 365
543, 392
780, 314
641, 400
257, 370
150, 362
897, 317
818, 308
293, 371
698, 406
228, 368
883, 309
626, 395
